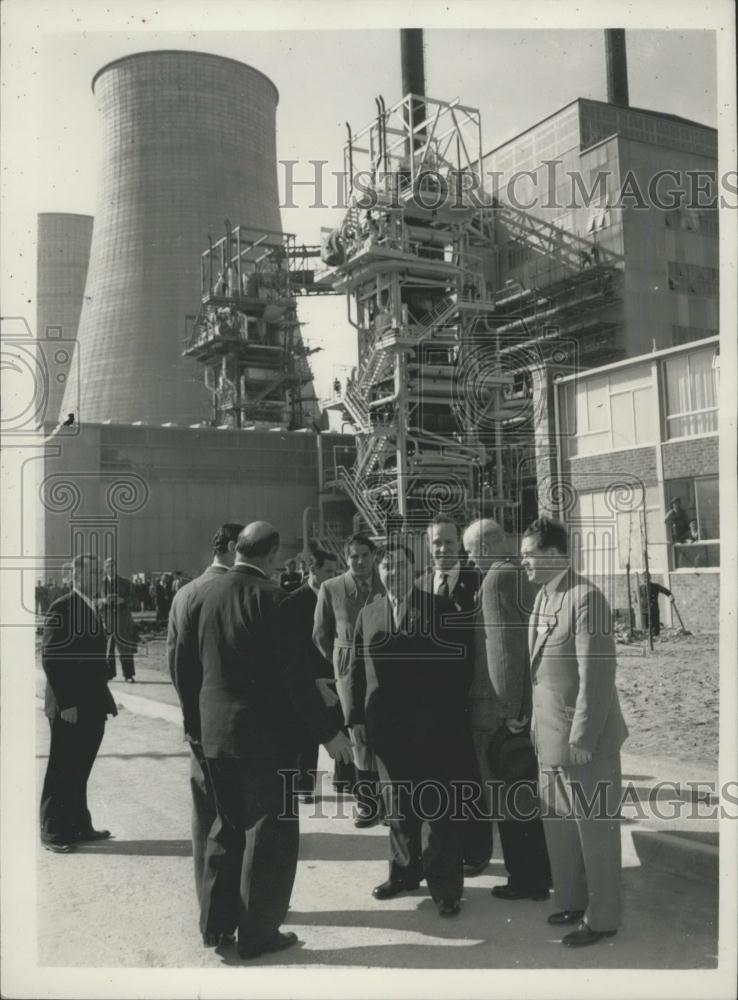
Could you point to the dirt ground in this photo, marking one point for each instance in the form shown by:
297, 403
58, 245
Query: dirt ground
670, 698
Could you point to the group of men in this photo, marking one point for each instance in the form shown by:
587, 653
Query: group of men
423, 685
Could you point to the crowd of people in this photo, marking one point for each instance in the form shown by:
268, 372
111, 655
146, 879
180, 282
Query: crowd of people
479, 691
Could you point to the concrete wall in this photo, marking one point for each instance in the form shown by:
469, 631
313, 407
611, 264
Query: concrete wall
156, 495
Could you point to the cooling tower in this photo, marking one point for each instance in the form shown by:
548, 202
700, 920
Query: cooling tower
61, 270
187, 139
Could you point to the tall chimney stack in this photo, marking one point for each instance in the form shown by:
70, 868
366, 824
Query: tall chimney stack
413, 75
617, 67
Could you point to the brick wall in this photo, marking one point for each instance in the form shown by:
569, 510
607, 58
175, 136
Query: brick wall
698, 457
698, 598
636, 462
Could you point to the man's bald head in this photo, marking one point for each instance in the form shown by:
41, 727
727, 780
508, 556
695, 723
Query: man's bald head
484, 540
258, 540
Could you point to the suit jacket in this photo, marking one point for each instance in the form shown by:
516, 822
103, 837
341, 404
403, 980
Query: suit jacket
117, 617
183, 652
255, 698
572, 654
410, 685
464, 595
73, 655
339, 604
501, 685
299, 607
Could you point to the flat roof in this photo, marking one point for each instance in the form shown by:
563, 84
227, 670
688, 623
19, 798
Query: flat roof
664, 115
641, 359
182, 52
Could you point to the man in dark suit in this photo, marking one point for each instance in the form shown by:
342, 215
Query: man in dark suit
115, 602
185, 668
578, 730
410, 675
299, 607
253, 700
77, 704
501, 705
339, 603
448, 577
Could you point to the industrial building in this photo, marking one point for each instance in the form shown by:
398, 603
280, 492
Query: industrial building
464, 313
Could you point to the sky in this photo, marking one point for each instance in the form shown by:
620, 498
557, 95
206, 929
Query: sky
514, 75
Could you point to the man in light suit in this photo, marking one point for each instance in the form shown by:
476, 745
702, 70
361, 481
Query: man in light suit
578, 730
185, 669
339, 603
501, 705
77, 704
448, 577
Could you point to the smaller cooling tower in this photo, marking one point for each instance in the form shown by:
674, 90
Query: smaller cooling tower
61, 272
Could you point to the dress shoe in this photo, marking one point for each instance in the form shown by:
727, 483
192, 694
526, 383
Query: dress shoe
519, 892
57, 848
584, 935
217, 939
278, 942
361, 822
449, 907
307, 797
130, 680
565, 917
390, 889
472, 868
91, 835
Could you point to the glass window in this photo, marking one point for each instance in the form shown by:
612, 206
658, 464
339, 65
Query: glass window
707, 507
691, 394
695, 532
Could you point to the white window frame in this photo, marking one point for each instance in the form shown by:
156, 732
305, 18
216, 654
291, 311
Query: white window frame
715, 366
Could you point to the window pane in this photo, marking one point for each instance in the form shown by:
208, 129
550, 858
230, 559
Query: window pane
677, 386
708, 507
645, 425
702, 379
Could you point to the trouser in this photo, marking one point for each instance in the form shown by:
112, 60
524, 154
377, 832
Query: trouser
475, 828
307, 763
584, 843
251, 853
203, 811
126, 658
424, 842
521, 831
74, 745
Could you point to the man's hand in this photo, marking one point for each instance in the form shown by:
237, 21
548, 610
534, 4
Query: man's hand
672, 598
579, 756
69, 714
327, 690
339, 748
517, 725
358, 735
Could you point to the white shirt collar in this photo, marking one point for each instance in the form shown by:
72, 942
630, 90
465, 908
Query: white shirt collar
452, 577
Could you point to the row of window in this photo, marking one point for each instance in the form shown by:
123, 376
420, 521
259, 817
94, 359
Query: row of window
693, 278
618, 410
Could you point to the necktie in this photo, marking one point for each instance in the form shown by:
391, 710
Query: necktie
443, 590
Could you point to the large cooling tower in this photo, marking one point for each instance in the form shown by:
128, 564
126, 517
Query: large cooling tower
61, 261
187, 140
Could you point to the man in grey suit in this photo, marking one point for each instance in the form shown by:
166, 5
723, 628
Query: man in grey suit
501, 705
185, 668
340, 602
578, 730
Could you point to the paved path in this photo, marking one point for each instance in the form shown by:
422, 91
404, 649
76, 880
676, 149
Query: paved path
129, 902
